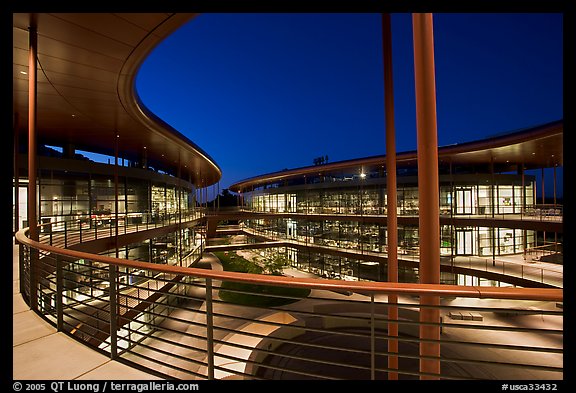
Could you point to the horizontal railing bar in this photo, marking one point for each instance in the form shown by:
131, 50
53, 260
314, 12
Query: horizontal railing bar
129, 293
299, 372
319, 346
354, 286
498, 328
150, 370
168, 317
492, 309
68, 317
479, 344
165, 352
86, 302
398, 371
159, 338
503, 364
94, 318
236, 373
405, 322
169, 365
296, 357
284, 355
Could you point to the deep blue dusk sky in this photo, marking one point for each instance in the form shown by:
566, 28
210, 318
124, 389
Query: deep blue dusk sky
264, 92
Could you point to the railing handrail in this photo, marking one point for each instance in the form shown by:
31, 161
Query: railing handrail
411, 289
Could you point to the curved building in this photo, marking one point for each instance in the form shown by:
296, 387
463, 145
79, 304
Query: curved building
93, 166
489, 207
112, 252
79, 98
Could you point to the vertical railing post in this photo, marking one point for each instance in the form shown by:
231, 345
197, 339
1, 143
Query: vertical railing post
65, 234
33, 260
372, 340
59, 294
113, 311
209, 329
22, 256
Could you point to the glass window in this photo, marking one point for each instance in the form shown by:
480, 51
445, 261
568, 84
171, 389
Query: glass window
505, 199
484, 199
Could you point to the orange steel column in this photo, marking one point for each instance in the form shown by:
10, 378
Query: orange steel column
32, 211
32, 75
391, 219
428, 190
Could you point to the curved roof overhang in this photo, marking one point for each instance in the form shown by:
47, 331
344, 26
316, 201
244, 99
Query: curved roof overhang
86, 97
537, 147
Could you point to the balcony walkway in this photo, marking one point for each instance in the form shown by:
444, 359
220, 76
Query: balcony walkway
514, 265
42, 353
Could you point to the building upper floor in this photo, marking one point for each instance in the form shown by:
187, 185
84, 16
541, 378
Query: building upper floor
510, 153
75, 73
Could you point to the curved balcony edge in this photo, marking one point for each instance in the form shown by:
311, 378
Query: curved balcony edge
545, 294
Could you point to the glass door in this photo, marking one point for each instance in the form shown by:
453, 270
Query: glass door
465, 242
464, 201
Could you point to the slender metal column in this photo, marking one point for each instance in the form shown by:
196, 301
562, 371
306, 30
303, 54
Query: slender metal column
495, 205
452, 201
32, 98
554, 168
522, 210
116, 136
179, 188
555, 233
543, 197
32, 170
391, 194
543, 208
16, 174
523, 206
428, 191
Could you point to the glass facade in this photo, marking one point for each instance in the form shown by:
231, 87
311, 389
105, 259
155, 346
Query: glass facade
76, 199
358, 206
91, 201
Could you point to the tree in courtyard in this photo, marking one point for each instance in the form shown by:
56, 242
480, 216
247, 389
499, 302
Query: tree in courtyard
275, 263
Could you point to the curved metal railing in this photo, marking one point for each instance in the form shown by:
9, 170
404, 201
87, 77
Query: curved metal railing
201, 323
93, 227
549, 274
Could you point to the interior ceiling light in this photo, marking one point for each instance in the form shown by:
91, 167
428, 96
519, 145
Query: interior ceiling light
23, 72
